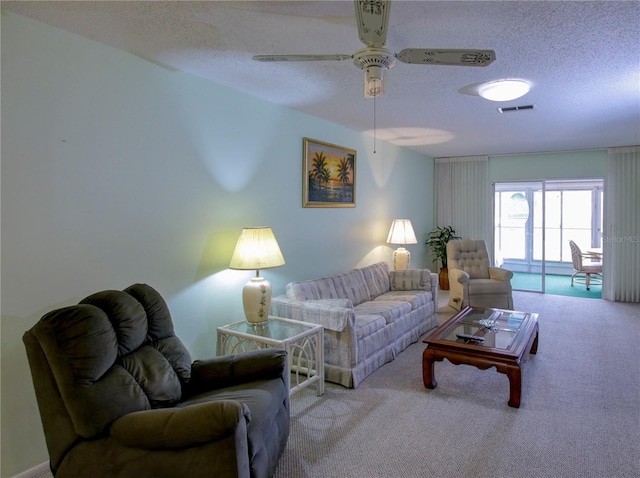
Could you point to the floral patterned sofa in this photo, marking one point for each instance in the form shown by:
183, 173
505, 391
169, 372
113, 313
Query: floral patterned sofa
369, 316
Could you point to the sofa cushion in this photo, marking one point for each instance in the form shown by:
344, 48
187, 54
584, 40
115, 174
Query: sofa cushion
312, 290
344, 303
415, 298
391, 310
368, 324
411, 279
352, 285
377, 279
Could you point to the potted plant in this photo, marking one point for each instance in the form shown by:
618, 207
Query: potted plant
437, 241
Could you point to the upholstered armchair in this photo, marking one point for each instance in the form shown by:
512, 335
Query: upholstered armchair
119, 395
472, 280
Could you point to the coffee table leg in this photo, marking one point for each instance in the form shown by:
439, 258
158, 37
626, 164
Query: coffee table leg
514, 373
534, 346
427, 369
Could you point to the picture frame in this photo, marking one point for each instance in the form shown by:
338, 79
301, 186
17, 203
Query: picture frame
328, 174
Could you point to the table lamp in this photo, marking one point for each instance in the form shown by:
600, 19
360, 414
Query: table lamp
401, 233
257, 248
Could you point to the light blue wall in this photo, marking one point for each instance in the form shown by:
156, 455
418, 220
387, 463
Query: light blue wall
576, 164
115, 171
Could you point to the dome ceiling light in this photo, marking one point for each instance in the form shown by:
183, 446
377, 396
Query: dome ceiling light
503, 90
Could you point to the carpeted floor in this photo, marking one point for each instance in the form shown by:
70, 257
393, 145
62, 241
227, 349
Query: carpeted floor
579, 417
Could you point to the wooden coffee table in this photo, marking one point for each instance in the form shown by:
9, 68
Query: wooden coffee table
507, 338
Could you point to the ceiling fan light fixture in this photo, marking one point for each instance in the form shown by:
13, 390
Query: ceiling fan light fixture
373, 81
503, 90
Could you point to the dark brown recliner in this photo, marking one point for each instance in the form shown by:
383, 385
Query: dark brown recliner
119, 396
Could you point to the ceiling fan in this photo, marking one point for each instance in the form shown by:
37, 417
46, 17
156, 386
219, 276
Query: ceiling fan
373, 18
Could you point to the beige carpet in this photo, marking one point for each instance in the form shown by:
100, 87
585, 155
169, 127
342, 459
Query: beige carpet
579, 417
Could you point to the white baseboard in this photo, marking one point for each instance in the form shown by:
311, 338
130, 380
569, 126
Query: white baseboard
39, 471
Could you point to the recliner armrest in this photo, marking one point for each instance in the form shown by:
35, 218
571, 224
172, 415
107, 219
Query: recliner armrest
458, 275
500, 274
227, 370
176, 428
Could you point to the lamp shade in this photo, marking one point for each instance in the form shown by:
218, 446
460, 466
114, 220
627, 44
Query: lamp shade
257, 248
401, 232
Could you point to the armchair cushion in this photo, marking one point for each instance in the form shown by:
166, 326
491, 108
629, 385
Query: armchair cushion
153, 372
176, 428
470, 256
488, 286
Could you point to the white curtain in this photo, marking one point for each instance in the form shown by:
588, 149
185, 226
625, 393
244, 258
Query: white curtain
463, 197
621, 238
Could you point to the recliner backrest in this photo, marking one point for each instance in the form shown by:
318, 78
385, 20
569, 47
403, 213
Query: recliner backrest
112, 354
469, 255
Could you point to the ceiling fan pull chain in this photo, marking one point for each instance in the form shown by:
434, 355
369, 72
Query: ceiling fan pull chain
374, 125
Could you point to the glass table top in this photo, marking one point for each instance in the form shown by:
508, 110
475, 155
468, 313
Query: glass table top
275, 328
498, 327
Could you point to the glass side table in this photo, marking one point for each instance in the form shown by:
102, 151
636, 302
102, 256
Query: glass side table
304, 343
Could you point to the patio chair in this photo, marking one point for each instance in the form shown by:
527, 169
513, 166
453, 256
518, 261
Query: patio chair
587, 267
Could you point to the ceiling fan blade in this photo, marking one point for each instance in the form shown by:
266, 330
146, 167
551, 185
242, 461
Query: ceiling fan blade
372, 17
302, 57
442, 56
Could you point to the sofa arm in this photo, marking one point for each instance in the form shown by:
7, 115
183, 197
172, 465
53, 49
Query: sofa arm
176, 428
228, 370
458, 275
332, 314
500, 274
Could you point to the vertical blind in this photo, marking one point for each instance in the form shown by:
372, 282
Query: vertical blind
463, 197
621, 241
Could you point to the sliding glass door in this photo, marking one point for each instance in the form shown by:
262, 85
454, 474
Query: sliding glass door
518, 227
534, 222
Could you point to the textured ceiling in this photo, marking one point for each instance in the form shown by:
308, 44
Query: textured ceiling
581, 58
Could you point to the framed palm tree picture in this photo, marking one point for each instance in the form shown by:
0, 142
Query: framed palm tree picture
328, 175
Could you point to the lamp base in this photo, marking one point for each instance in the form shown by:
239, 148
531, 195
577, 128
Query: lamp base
401, 259
256, 300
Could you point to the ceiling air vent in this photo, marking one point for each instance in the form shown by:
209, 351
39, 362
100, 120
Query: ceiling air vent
516, 108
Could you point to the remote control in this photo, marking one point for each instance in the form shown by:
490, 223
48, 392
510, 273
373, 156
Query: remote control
475, 338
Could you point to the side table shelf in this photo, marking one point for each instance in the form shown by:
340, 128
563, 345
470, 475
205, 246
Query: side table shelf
303, 342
